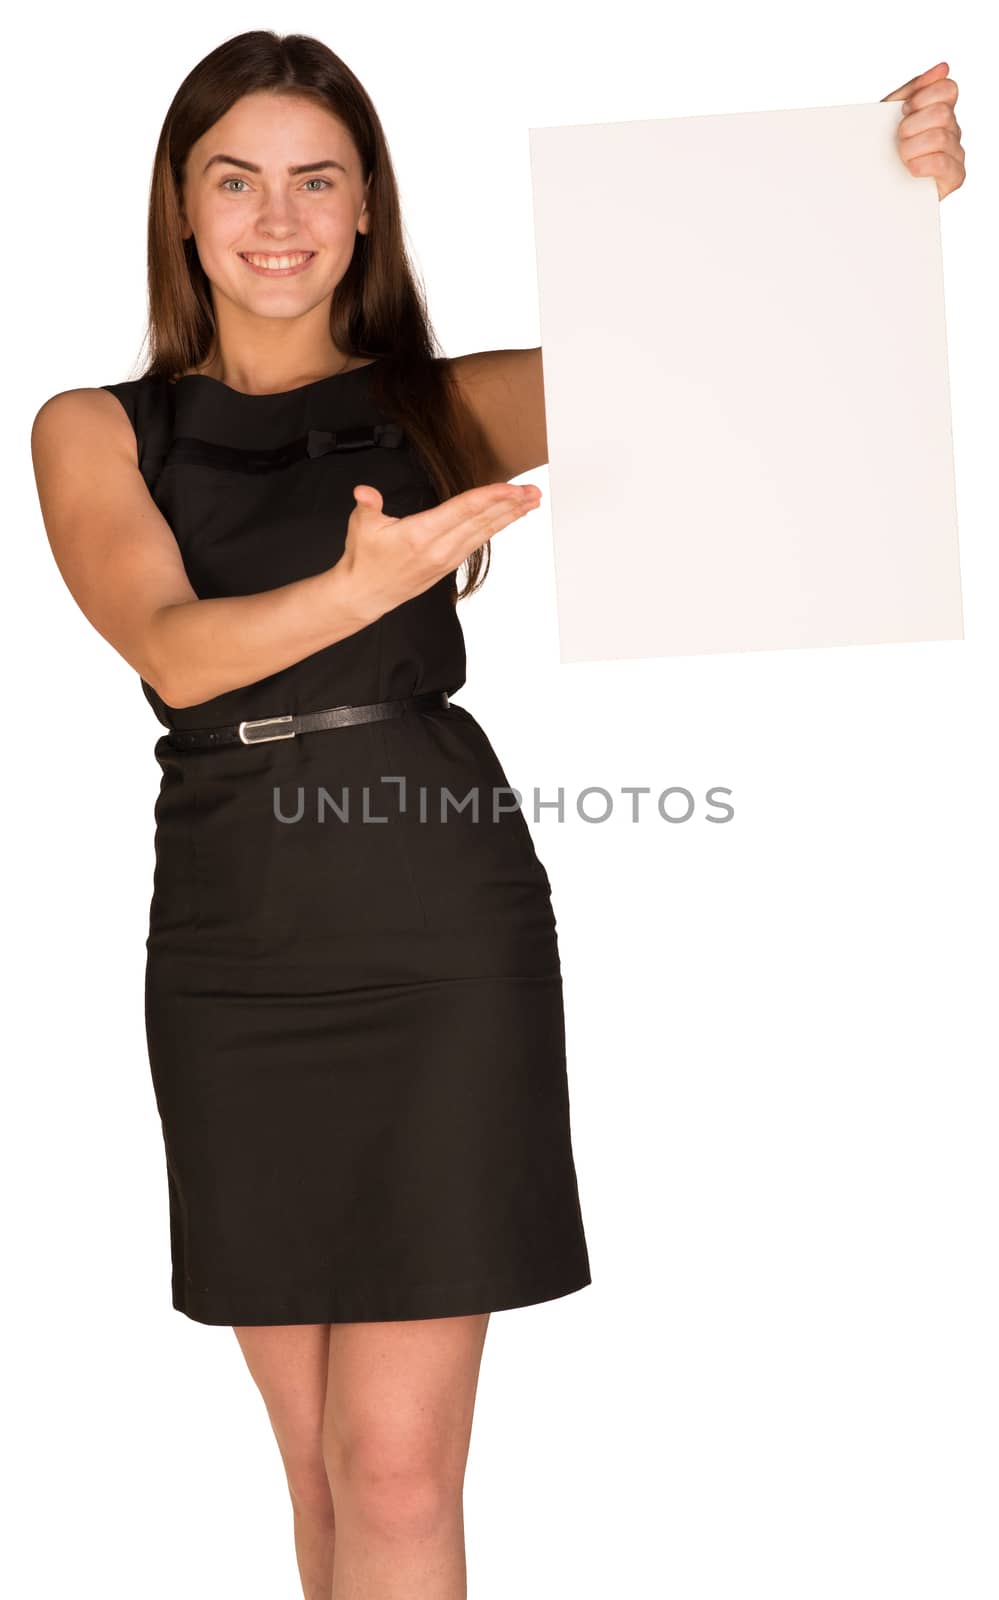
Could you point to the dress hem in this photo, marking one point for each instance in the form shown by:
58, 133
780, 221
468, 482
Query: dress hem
471, 1298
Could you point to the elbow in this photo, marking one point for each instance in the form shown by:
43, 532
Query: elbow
169, 678
162, 687
174, 688
158, 675
175, 693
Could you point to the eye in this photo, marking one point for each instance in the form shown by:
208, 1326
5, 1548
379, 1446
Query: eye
226, 181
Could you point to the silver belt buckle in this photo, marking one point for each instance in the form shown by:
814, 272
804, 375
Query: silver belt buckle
265, 722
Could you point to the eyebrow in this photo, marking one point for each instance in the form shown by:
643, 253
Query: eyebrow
248, 166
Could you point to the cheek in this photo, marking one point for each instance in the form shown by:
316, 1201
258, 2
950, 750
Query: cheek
216, 228
332, 225
218, 261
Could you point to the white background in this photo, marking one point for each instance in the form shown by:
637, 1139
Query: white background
782, 1380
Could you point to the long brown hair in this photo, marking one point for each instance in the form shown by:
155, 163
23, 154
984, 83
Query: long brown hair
377, 310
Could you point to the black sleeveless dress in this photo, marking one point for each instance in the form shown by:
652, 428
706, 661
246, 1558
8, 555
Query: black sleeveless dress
353, 989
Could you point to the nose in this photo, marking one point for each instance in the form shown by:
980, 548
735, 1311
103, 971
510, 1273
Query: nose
276, 216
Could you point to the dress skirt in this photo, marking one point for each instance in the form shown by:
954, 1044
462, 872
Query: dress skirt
362, 1086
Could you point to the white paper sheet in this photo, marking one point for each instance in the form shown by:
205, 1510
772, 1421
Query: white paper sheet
746, 384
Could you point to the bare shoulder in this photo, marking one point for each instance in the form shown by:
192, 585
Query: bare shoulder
74, 421
505, 391
82, 406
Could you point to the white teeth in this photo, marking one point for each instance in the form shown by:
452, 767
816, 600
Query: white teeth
278, 263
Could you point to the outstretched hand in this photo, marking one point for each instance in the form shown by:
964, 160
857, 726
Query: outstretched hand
388, 560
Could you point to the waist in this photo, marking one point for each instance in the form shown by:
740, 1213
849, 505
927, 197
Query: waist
289, 725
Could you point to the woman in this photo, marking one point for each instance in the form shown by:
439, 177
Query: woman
353, 991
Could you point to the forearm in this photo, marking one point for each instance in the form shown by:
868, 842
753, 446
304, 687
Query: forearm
205, 648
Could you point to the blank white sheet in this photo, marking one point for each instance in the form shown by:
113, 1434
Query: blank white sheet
746, 384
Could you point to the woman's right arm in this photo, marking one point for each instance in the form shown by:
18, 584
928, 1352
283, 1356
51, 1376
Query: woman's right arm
121, 562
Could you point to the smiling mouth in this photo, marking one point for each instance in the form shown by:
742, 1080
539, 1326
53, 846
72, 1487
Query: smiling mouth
276, 266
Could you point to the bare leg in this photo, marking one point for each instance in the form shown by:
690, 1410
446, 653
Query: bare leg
289, 1366
397, 1428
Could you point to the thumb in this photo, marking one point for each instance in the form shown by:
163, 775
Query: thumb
931, 75
368, 496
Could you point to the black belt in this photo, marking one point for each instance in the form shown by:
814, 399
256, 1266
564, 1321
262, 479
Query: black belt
261, 729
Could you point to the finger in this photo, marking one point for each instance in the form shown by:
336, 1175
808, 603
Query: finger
482, 524
474, 506
937, 164
475, 529
943, 93
925, 140
478, 529
933, 116
929, 76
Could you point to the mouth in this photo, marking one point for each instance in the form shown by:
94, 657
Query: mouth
274, 265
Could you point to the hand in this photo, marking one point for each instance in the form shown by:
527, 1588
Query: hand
929, 139
387, 560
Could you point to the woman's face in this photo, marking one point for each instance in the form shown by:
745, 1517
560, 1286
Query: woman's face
243, 199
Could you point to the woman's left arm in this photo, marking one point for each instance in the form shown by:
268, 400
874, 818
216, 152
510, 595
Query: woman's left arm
505, 388
929, 139
505, 391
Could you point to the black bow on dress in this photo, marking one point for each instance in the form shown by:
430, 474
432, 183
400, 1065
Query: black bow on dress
322, 443
188, 451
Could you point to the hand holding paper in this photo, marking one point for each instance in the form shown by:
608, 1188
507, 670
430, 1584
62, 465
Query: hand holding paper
929, 136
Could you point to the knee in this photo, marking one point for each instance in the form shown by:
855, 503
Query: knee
309, 1487
395, 1493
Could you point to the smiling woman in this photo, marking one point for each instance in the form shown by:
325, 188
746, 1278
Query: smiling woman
356, 1032
267, 211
